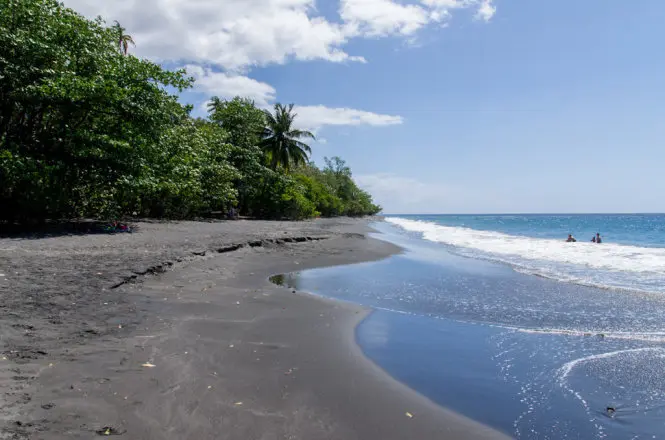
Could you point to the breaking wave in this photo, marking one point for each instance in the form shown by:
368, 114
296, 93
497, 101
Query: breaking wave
608, 265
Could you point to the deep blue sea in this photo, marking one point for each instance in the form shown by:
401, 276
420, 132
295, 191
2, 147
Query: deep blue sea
500, 319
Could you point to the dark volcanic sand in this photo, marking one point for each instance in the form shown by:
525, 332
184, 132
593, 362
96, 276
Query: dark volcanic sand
208, 349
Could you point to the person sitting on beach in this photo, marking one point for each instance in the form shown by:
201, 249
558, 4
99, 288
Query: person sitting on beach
571, 239
598, 239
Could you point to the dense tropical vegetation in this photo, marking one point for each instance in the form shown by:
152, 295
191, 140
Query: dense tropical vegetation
89, 130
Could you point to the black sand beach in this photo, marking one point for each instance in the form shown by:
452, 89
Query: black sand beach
174, 332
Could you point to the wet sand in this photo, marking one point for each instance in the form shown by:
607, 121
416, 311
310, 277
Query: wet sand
193, 342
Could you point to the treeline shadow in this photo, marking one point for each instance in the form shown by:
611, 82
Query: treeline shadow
50, 229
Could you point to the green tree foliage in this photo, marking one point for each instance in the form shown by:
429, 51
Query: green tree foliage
333, 190
325, 201
76, 117
279, 196
281, 140
244, 124
192, 174
87, 129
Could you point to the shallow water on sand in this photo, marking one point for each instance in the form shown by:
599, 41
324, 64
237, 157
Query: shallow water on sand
533, 357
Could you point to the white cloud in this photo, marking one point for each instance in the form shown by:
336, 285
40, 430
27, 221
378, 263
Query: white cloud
238, 34
373, 18
382, 17
229, 37
314, 117
233, 34
486, 10
228, 86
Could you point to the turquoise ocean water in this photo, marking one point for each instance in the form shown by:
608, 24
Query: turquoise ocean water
499, 318
632, 255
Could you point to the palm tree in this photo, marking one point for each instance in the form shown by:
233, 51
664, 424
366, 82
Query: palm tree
214, 104
123, 39
281, 141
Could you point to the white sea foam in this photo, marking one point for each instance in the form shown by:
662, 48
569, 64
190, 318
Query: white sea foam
566, 368
632, 336
579, 262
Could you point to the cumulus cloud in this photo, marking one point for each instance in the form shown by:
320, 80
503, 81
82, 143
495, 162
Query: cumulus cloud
374, 18
233, 34
239, 34
382, 17
486, 10
220, 41
316, 116
228, 86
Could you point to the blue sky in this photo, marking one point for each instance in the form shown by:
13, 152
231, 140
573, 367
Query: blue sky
443, 106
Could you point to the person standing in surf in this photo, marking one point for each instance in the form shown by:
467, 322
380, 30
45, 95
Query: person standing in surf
598, 239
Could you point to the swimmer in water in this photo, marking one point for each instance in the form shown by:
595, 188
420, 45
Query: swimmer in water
570, 239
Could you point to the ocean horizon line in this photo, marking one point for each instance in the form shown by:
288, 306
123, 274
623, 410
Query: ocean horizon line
525, 213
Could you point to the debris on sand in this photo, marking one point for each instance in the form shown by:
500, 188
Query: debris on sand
109, 430
290, 371
409, 415
114, 227
148, 365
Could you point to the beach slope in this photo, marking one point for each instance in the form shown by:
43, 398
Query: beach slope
175, 332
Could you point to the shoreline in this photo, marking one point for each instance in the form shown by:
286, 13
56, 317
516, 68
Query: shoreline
465, 333
231, 359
